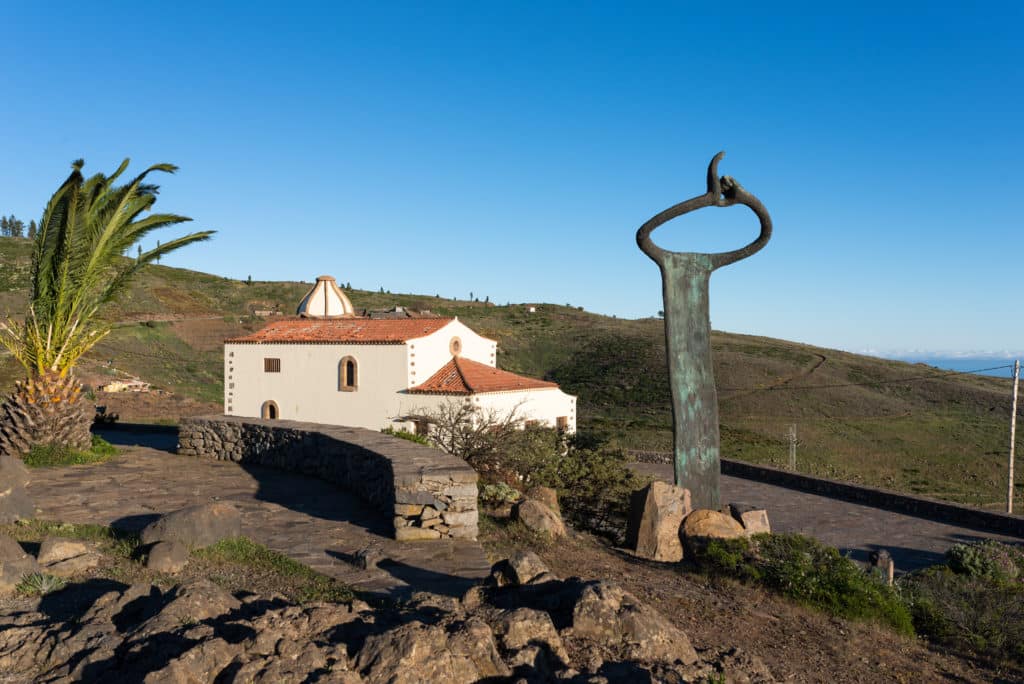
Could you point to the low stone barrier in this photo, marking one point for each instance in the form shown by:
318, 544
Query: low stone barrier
431, 494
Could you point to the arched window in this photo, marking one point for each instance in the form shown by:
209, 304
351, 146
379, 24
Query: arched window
269, 411
348, 374
455, 346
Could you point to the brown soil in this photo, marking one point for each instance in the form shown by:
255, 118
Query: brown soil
796, 643
163, 408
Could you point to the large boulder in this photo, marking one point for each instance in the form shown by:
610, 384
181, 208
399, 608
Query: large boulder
13, 472
539, 517
196, 526
414, 653
66, 557
15, 502
520, 568
705, 524
613, 617
167, 556
14, 564
524, 627
656, 513
545, 495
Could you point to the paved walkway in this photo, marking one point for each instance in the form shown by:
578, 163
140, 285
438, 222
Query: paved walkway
852, 528
312, 521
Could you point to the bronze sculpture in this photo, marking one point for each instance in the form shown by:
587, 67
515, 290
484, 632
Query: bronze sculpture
685, 277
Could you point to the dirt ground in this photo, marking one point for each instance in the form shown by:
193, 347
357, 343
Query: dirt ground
161, 408
797, 644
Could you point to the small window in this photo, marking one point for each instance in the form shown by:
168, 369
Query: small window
422, 428
271, 365
455, 346
562, 423
348, 375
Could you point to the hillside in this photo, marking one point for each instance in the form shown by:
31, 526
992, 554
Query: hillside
886, 423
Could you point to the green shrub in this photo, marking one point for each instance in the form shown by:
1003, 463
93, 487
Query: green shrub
46, 455
988, 559
39, 584
406, 435
499, 493
807, 571
971, 613
593, 483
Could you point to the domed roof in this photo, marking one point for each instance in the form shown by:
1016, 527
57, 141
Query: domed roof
325, 300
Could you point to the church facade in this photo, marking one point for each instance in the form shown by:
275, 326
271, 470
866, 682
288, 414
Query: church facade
328, 365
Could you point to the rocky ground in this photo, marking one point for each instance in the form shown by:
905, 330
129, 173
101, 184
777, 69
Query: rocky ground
523, 624
796, 644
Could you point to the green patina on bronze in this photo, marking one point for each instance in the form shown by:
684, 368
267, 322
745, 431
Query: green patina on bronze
685, 277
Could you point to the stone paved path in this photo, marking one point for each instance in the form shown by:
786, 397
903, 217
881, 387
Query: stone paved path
852, 528
312, 521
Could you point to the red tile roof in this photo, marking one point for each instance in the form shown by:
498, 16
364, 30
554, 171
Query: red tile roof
463, 376
343, 330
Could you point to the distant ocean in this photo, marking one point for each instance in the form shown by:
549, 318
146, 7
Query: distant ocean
964, 364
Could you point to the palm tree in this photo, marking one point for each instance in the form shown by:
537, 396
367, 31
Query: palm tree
77, 267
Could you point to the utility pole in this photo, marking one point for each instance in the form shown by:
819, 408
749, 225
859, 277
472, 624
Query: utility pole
792, 448
1013, 435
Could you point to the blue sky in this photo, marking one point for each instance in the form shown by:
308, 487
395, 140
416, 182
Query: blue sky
512, 149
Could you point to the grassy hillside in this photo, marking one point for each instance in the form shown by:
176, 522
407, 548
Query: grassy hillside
887, 423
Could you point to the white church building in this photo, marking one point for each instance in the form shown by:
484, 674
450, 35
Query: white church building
328, 365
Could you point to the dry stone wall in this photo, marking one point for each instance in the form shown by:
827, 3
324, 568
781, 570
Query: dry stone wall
430, 494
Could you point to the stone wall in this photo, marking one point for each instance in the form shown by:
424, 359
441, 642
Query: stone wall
430, 494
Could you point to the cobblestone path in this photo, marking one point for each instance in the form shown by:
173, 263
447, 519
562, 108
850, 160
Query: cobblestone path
852, 528
313, 522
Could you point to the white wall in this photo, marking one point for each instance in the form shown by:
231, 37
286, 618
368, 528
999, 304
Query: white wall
307, 386
428, 354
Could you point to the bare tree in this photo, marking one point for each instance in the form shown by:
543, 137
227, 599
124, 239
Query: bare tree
463, 429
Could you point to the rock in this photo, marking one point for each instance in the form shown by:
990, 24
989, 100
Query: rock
546, 496
16, 504
704, 524
196, 526
740, 667
56, 549
525, 627
613, 617
13, 473
656, 513
475, 642
75, 565
201, 663
521, 567
416, 533
754, 520
539, 518
368, 557
473, 598
14, 564
413, 653
167, 556
408, 510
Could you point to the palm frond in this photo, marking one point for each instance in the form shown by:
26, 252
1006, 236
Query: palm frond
78, 263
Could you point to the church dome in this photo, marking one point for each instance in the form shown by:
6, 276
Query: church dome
325, 300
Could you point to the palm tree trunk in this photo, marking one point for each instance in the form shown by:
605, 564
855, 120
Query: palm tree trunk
45, 409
